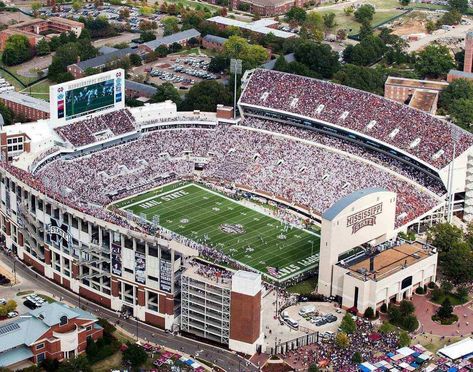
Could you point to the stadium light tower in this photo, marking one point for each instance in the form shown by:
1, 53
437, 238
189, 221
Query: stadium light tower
235, 68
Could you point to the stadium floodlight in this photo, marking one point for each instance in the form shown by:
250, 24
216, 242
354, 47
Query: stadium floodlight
235, 68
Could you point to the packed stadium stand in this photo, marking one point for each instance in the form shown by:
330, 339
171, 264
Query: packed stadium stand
418, 134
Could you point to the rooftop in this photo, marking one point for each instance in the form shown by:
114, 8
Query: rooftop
174, 38
140, 87
424, 100
415, 83
260, 26
387, 262
51, 313
196, 271
103, 59
23, 99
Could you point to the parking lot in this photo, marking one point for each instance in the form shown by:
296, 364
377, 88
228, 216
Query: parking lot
180, 70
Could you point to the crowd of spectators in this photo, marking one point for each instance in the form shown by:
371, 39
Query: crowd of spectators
327, 353
401, 126
397, 166
289, 169
212, 271
84, 132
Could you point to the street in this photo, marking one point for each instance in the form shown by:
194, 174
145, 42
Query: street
225, 359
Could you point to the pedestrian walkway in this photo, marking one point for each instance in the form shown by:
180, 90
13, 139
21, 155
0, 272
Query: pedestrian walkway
425, 309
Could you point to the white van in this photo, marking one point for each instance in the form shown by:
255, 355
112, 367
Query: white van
285, 315
292, 323
306, 310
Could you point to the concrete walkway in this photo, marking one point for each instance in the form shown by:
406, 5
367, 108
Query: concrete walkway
425, 309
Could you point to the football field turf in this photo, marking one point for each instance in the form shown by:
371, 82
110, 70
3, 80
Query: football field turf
246, 235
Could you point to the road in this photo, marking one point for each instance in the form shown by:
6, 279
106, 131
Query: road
223, 358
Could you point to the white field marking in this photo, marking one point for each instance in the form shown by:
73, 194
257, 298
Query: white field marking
155, 196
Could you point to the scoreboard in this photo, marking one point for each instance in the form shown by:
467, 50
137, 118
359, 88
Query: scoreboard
92, 94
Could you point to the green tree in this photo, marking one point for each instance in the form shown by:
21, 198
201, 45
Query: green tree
364, 14
366, 52
457, 264
349, 10
170, 24
147, 36
356, 358
434, 61
76, 364
329, 21
218, 64
405, 2
42, 48
444, 235
206, 95
7, 114
342, 340
369, 313
313, 27
404, 339
296, 15
162, 51
348, 325
456, 90
453, 17
166, 91
314, 368
406, 308
430, 26
318, 57
251, 55
17, 50
459, 5
135, 59
135, 354
77, 4
35, 6
445, 310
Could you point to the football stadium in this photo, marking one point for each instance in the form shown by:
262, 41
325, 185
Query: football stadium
153, 212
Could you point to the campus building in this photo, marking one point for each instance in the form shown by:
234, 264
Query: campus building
37, 29
53, 331
361, 261
23, 105
419, 94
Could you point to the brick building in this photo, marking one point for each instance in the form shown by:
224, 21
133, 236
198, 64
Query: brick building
421, 94
53, 331
30, 108
467, 61
181, 38
213, 42
36, 29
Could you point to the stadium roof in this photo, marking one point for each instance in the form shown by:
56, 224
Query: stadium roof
102, 60
174, 38
140, 87
331, 213
25, 100
260, 26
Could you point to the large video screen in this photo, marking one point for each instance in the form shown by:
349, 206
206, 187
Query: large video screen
90, 98
89, 95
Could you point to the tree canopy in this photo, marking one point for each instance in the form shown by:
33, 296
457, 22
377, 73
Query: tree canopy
251, 55
206, 95
17, 50
434, 61
364, 14
319, 58
166, 91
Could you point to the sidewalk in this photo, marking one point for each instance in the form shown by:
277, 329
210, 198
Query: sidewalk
425, 309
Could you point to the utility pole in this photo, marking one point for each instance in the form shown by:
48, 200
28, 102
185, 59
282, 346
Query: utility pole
235, 68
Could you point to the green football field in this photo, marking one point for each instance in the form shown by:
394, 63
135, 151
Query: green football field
248, 236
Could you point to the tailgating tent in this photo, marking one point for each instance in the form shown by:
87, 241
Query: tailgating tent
458, 350
406, 351
367, 367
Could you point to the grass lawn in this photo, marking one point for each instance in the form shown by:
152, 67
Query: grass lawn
47, 298
433, 343
454, 300
24, 293
246, 235
14, 70
108, 364
194, 4
305, 287
349, 23
39, 90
